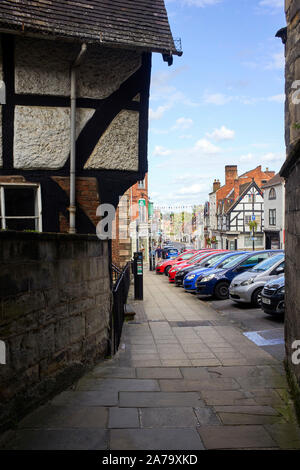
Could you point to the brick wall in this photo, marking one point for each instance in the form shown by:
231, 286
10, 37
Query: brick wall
55, 306
87, 197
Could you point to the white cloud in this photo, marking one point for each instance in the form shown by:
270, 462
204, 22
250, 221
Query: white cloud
277, 98
159, 112
246, 158
160, 151
277, 61
193, 189
218, 99
272, 3
206, 147
183, 123
272, 157
221, 134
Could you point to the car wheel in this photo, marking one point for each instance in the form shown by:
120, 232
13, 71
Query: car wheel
256, 297
167, 269
222, 290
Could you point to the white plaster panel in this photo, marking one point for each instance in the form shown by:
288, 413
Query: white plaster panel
43, 67
118, 147
42, 136
104, 70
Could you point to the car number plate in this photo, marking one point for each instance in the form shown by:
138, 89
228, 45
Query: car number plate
266, 301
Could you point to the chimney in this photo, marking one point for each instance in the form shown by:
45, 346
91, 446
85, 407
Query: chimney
216, 185
230, 174
236, 188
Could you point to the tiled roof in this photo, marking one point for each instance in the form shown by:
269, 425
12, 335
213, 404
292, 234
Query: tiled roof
122, 23
277, 179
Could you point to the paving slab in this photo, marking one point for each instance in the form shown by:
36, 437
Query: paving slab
49, 416
86, 398
123, 418
112, 371
235, 437
118, 385
227, 397
160, 399
159, 373
287, 436
61, 439
207, 417
155, 439
168, 418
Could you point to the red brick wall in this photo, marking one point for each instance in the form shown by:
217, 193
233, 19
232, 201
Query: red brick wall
87, 197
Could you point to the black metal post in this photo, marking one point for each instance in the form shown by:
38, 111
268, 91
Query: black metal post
138, 275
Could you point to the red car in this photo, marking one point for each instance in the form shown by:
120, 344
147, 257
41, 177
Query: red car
195, 259
164, 266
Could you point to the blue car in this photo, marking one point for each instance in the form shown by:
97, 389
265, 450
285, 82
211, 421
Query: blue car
216, 282
189, 282
170, 253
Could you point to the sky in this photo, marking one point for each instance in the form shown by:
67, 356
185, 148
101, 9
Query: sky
220, 103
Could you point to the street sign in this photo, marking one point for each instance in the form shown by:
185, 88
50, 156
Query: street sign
142, 202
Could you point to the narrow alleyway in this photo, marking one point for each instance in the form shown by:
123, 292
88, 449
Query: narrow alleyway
184, 378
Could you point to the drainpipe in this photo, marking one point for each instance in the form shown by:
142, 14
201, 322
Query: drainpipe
72, 208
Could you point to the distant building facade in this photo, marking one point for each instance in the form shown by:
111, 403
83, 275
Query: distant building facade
230, 207
274, 209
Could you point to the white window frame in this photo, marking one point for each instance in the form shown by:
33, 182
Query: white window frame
37, 205
141, 184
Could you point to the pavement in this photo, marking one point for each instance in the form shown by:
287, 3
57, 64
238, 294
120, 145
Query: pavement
185, 378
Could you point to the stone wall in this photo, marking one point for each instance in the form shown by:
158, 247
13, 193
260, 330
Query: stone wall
55, 304
291, 172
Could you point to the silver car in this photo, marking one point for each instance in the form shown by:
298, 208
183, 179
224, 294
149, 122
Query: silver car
247, 287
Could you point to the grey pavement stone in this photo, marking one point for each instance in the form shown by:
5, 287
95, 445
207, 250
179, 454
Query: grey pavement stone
155, 439
198, 385
159, 399
60, 439
249, 383
251, 410
123, 418
235, 437
227, 397
207, 416
287, 436
49, 416
118, 385
118, 372
168, 418
86, 398
159, 373
241, 418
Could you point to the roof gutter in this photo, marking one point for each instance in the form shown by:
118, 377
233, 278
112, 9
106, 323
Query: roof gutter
72, 208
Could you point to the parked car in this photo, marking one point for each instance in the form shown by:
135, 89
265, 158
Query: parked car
247, 287
190, 280
218, 280
178, 272
272, 297
198, 256
169, 253
162, 265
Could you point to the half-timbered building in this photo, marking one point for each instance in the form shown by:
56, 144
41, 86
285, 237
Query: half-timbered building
241, 224
75, 82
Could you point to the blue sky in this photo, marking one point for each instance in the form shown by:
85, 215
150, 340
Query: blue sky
222, 102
